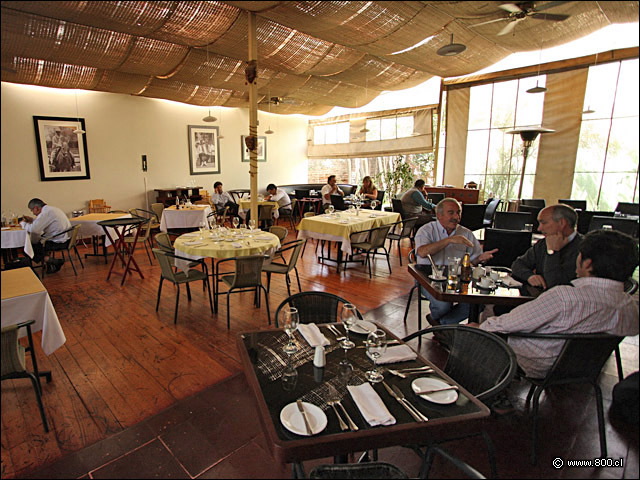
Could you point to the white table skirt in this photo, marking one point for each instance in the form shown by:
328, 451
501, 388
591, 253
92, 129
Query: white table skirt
17, 239
184, 218
89, 228
35, 306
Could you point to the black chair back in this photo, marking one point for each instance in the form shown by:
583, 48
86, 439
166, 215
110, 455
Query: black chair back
338, 202
510, 244
628, 208
473, 215
302, 193
577, 204
380, 199
512, 220
435, 197
315, 307
396, 203
584, 219
534, 202
490, 212
622, 224
534, 211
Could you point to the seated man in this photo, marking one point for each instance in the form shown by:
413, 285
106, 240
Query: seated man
441, 239
595, 302
414, 200
279, 195
49, 222
331, 188
552, 260
222, 199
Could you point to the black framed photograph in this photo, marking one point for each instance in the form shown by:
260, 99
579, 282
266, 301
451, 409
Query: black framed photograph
62, 149
204, 150
262, 149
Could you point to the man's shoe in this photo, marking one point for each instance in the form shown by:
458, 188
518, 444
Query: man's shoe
432, 322
502, 406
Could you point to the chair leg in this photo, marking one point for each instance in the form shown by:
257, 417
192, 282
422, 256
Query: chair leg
603, 434
228, 315
36, 388
78, 255
386, 252
406, 309
287, 281
534, 429
619, 363
266, 300
147, 250
298, 278
159, 291
209, 291
72, 265
175, 315
399, 252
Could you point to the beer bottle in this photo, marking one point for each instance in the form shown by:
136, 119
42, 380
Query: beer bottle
465, 270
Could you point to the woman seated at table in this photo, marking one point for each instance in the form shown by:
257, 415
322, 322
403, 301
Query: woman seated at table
368, 191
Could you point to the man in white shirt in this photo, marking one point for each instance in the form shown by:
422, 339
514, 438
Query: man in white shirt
331, 188
441, 239
49, 222
223, 199
279, 195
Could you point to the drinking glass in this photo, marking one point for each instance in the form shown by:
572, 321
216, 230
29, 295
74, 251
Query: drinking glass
235, 222
331, 209
528, 227
290, 324
289, 377
376, 346
243, 228
374, 204
453, 264
348, 317
252, 224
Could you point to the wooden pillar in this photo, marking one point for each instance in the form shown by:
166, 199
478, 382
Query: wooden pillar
251, 73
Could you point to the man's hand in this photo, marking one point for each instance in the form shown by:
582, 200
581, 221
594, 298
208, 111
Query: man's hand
556, 241
483, 257
461, 240
537, 281
27, 219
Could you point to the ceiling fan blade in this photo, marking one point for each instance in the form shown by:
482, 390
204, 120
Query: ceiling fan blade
488, 22
550, 16
548, 5
511, 7
508, 28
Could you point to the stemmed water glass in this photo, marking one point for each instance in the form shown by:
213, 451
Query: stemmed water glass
376, 346
252, 224
348, 317
330, 209
290, 324
235, 222
374, 204
203, 229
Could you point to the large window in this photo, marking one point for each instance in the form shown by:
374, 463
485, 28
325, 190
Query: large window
388, 128
494, 158
606, 169
331, 134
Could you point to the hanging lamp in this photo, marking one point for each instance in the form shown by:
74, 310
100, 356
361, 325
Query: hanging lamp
538, 89
78, 131
209, 118
451, 49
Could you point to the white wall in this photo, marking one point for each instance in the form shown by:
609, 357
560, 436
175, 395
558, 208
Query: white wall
121, 128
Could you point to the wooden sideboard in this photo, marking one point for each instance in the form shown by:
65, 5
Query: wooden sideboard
167, 196
463, 195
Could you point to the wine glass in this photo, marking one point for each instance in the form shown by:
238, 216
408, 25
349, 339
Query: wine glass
243, 229
348, 317
290, 324
252, 224
235, 222
374, 204
331, 209
376, 346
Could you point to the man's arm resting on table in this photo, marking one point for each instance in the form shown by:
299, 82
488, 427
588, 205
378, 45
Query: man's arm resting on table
435, 247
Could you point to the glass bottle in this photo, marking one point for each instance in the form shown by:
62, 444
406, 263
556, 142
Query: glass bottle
465, 270
4, 219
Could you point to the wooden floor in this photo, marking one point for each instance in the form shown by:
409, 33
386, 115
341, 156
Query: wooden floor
123, 362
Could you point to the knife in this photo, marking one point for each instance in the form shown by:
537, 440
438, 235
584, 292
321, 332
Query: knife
415, 416
443, 389
304, 417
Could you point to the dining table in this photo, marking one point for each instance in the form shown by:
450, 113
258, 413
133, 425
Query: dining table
24, 297
16, 237
193, 216
89, 228
342, 379
338, 227
122, 227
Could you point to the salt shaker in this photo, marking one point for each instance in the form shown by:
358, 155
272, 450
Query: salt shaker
319, 358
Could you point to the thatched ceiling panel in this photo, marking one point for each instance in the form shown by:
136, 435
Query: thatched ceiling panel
185, 92
48, 74
211, 69
153, 57
375, 73
117, 82
336, 60
320, 90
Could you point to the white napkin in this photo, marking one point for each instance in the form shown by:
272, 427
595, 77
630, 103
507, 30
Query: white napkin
313, 335
263, 238
194, 243
511, 282
370, 405
236, 244
400, 353
343, 221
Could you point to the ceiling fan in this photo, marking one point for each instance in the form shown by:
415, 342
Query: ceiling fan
278, 101
523, 10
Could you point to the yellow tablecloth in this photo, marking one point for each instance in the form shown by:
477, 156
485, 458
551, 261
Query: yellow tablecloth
245, 205
339, 229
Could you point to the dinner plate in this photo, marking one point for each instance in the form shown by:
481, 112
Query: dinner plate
364, 327
437, 279
428, 383
292, 419
6, 228
193, 244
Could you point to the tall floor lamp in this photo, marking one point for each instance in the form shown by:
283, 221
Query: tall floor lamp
528, 135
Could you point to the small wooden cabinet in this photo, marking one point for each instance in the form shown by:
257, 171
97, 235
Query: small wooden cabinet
167, 196
463, 195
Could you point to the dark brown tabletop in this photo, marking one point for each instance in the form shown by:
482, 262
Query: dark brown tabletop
472, 293
264, 361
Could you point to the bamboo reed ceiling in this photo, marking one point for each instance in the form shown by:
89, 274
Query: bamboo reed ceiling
312, 55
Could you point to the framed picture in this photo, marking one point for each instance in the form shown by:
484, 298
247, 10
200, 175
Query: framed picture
204, 150
62, 153
262, 149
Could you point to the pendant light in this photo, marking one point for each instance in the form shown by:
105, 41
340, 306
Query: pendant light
366, 88
589, 110
268, 131
451, 49
78, 131
538, 89
209, 118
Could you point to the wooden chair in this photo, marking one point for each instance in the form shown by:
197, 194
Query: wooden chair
99, 206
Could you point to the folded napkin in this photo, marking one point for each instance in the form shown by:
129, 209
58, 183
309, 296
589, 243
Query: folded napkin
343, 221
511, 282
194, 243
236, 244
313, 335
400, 353
370, 405
263, 238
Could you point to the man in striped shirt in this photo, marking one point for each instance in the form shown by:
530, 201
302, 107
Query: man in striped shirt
595, 302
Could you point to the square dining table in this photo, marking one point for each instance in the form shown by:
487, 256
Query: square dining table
186, 217
244, 205
16, 237
264, 362
338, 227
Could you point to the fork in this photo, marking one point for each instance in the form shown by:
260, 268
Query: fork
334, 398
336, 332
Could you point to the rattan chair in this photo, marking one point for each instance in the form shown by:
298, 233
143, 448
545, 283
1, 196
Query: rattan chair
52, 247
285, 268
482, 362
281, 233
315, 307
178, 278
580, 361
369, 242
14, 366
247, 276
406, 230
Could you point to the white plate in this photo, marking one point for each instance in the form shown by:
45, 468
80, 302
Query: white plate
437, 279
292, 419
193, 244
6, 228
424, 383
364, 327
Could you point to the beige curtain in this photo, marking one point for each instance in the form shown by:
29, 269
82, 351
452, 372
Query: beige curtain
456, 128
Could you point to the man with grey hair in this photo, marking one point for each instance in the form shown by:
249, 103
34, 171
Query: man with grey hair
414, 201
446, 238
49, 222
552, 260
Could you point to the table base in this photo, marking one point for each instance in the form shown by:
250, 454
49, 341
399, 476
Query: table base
339, 260
119, 247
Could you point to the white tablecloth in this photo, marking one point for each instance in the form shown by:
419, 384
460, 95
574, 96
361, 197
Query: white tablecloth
185, 218
89, 225
17, 239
